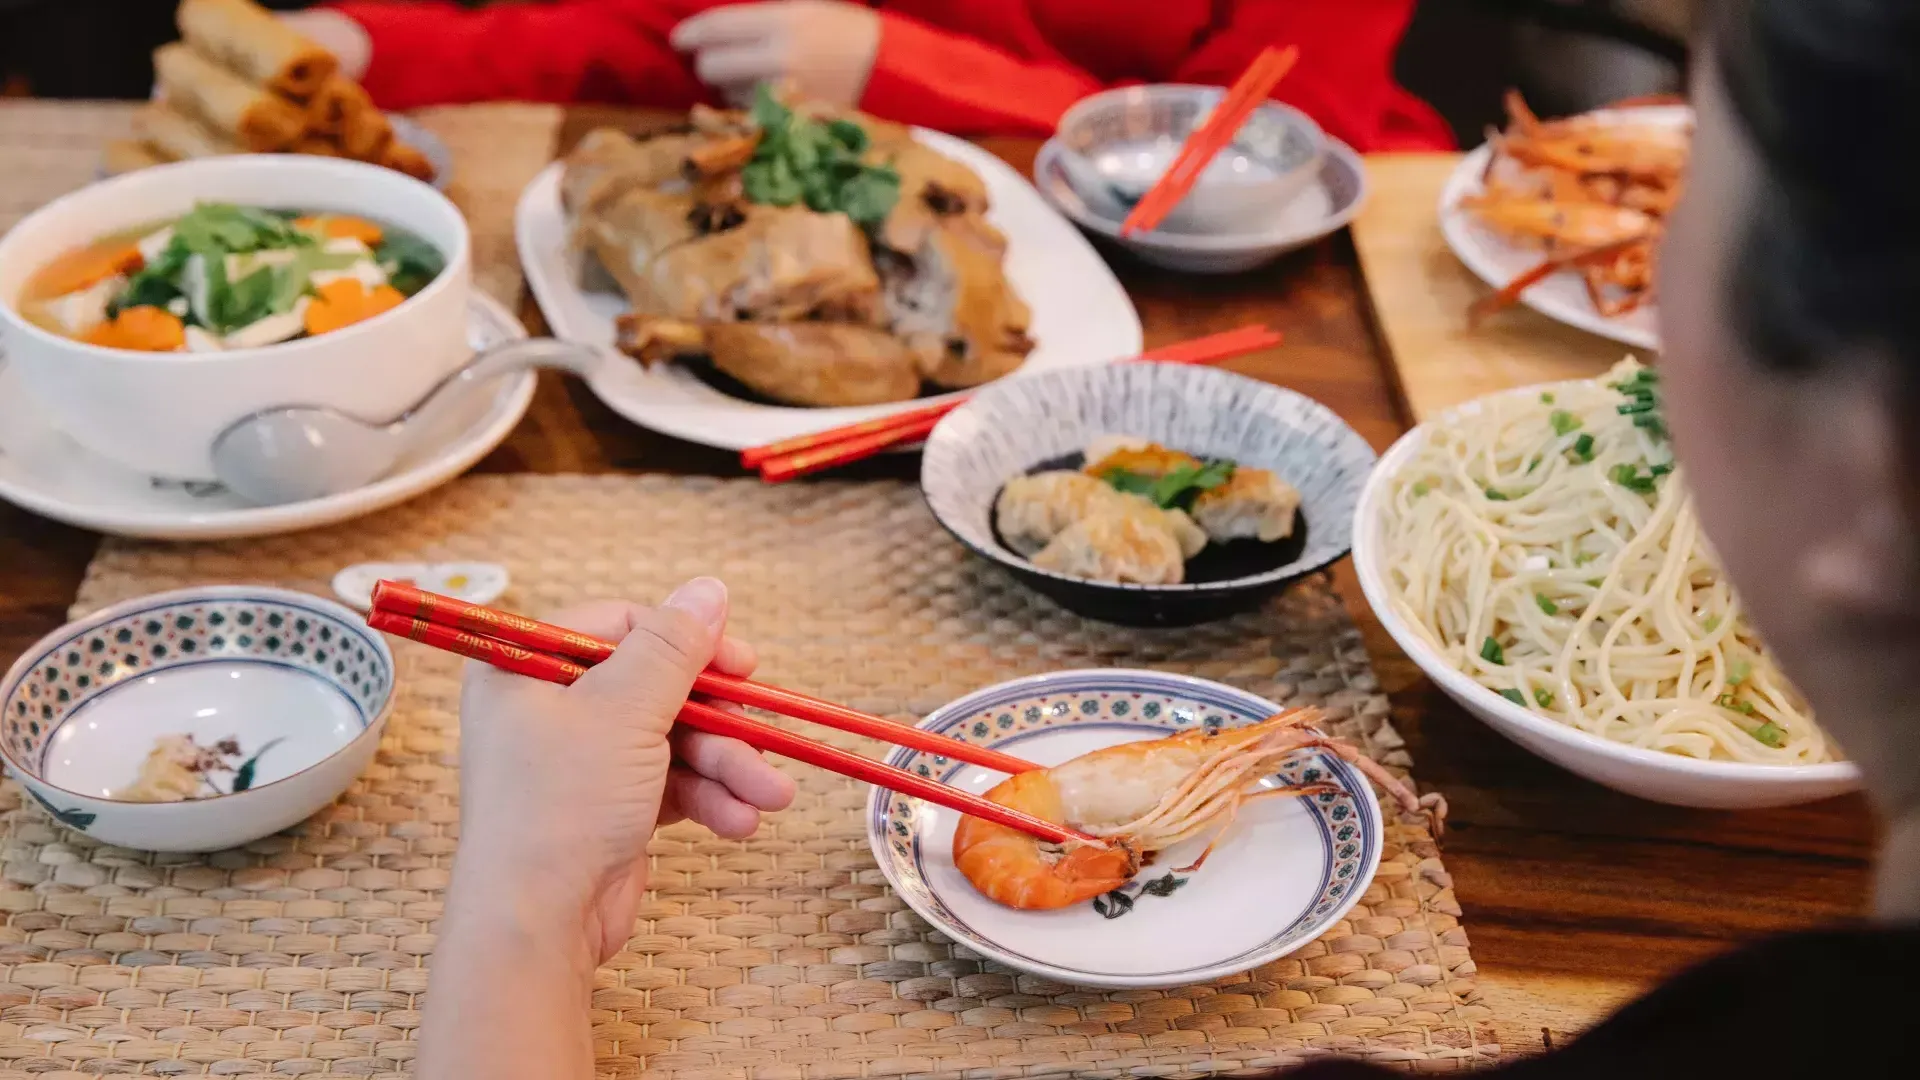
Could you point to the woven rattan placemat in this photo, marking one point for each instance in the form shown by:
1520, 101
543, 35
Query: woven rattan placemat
48, 148
785, 956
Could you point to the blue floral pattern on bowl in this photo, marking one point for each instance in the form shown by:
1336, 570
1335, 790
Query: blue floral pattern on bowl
67, 675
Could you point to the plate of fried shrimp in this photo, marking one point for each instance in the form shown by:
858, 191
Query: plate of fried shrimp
1229, 832
1564, 215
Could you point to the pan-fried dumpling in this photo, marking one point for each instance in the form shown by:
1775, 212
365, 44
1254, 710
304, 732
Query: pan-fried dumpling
1253, 503
1116, 545
1032, 510
1110, 452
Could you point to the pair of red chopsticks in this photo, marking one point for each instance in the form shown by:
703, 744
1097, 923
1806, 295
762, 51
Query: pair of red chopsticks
805, 454
1244, 96
558, 655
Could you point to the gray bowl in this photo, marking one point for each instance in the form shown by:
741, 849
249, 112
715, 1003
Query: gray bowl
1115, 145
1016, 426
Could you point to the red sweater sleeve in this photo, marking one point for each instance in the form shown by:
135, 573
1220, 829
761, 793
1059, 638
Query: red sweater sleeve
433, 52
1344, 78
956, 84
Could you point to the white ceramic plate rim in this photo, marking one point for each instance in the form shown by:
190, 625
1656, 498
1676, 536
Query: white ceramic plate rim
748, 424
1297, 569
1046, 175
510, 404
27, 661
1363, 794
1366, 558
1482, 255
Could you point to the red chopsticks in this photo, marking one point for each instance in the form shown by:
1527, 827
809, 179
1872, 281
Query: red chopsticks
1244, 96
804, 454
554, 654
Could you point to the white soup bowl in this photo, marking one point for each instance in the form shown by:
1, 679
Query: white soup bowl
159, 412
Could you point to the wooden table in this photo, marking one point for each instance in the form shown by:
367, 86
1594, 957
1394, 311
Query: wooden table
1575, 897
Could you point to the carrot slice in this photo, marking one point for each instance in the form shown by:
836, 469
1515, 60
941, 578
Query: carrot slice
82, 269
342, 227
141, 329
346, 301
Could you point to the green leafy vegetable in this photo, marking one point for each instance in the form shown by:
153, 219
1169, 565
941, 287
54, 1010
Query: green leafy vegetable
244, 302
804, 160
155, 285
1492, 653
410, 261
1563, 421
1514, 696
1175, 489
236, 230
1546, 603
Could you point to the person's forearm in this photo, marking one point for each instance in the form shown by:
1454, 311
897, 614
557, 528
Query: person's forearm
511, 984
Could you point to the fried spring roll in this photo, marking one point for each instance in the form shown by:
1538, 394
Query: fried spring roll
318, 146
403, 158
180, 136
128, 155
216, 97
367, 135
331, 107
257, 46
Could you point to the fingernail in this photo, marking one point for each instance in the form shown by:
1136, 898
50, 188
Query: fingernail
704, 598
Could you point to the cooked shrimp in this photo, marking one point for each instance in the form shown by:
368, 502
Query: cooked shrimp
1579, 224
1140, 798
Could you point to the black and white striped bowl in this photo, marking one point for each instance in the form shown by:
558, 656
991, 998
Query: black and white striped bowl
1010, 427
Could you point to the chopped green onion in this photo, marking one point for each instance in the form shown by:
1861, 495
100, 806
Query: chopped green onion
1543, 697
1563, 421
1492, 653
1712, 623
1771, 734
1583, 448
1630, 478
1497, 496
1546, 399
1660, 470
1533, 464
1594, 583
1582, 558
1728, 701
1546, 603
1738, 671
1420, 488
1632, 408
1514, 696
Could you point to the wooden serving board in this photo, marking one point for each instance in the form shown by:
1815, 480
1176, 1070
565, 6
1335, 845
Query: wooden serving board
1421, 292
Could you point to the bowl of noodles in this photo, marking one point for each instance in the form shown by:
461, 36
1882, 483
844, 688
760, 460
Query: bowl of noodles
1537, 553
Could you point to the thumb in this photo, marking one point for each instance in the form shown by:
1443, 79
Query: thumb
651, 671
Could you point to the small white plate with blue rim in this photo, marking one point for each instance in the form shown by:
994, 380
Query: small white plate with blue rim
295, 689
1283, 874
43, 470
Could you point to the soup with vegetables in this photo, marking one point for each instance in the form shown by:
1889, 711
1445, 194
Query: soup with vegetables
229, 277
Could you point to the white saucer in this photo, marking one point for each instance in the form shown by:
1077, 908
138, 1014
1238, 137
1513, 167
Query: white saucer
1081, 314
1322, 208
44, 471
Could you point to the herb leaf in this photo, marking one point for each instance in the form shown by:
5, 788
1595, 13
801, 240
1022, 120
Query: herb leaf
411, 261
800, 159
1177, 488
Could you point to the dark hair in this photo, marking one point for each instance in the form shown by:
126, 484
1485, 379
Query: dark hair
1829, 94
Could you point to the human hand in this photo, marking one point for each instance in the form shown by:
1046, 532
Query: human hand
561, 787
339, 34
821, 49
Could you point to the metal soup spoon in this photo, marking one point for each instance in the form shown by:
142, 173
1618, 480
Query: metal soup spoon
294, 453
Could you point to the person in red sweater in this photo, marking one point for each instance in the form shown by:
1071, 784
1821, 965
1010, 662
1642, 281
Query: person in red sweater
979, 67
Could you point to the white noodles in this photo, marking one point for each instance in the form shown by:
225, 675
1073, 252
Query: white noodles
1609, 610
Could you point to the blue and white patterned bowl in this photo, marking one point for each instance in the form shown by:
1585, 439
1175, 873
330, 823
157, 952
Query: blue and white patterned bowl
1284, 873
300, 684
1010, 427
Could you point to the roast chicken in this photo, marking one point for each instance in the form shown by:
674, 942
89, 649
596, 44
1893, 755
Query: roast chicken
798, 306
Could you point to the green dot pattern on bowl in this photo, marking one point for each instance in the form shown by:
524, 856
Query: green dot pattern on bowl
73, 672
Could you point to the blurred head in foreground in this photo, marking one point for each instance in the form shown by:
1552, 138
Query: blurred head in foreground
1790, 294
